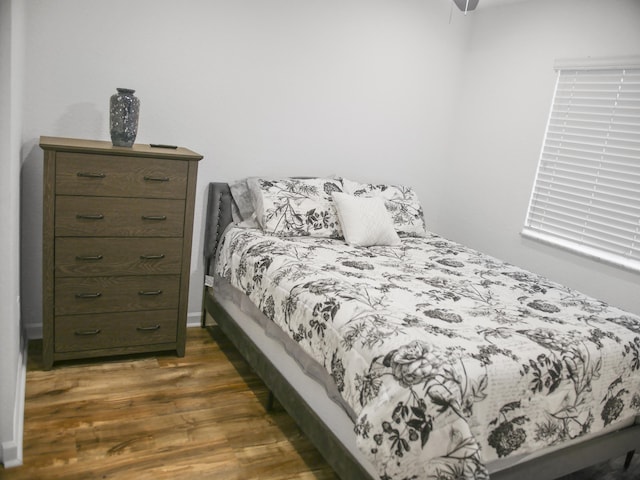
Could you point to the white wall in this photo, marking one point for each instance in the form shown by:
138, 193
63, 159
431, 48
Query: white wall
12, 348
500, 122
384, 90
362, 88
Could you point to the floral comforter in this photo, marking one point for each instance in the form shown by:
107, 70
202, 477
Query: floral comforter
450, 358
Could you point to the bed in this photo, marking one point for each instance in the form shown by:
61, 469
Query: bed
401, 354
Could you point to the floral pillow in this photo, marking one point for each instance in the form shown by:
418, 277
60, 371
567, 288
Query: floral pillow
297, 207
242, 200
401, 202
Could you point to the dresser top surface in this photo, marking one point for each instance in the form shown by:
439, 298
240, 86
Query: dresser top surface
106, 148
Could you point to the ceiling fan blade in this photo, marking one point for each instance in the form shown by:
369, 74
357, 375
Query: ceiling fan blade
462, 5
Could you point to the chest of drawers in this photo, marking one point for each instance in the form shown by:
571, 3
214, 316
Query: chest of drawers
117, 232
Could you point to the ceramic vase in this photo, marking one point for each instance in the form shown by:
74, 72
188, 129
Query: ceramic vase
124, 108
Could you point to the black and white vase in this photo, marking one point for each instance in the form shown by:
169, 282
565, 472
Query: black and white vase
124, 108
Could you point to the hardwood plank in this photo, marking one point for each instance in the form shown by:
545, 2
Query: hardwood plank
159, 417
201, 416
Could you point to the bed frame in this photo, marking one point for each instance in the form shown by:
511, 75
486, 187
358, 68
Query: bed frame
344, 463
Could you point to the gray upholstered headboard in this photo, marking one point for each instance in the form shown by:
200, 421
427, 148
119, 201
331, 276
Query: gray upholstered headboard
218, 217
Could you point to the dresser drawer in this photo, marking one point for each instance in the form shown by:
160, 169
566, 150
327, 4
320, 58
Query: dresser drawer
92, 332
113, 176
81, 256
75, 295
114, 217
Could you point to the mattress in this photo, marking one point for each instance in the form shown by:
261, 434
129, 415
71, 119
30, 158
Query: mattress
449, 360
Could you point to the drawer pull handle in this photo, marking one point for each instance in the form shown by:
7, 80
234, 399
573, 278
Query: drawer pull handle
97, 216
154, 217
149, 292
88, 295
91, 174
156, 179
89, 257
152, 257
87, 332
148, 329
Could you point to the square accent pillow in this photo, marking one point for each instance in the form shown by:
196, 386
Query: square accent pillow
296, 207
242, 210
365, 221
242, 199
401, 202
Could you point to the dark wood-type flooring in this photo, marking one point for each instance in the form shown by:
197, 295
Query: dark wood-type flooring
162, 417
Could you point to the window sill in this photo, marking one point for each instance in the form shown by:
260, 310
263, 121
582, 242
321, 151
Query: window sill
585, 251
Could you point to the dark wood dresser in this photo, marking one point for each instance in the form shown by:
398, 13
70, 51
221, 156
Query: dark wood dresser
117, 232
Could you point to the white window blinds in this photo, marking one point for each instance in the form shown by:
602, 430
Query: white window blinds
586, 195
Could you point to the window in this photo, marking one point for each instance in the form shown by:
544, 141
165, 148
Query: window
586, 194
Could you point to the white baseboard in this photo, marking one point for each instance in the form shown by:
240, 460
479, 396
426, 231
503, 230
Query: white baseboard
34, 332
11, 451
194, 319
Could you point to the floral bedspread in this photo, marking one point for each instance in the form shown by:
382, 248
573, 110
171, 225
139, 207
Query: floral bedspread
450, 358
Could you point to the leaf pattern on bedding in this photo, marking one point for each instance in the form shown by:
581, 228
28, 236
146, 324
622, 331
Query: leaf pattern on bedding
297, 207
450, 358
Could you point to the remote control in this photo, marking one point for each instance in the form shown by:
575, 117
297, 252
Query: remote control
161, 145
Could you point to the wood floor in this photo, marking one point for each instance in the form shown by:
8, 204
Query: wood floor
159, 417
162, 417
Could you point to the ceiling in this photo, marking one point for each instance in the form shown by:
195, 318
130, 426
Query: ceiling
482, 4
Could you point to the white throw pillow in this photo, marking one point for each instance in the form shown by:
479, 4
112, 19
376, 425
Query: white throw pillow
365, 221
401, 201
